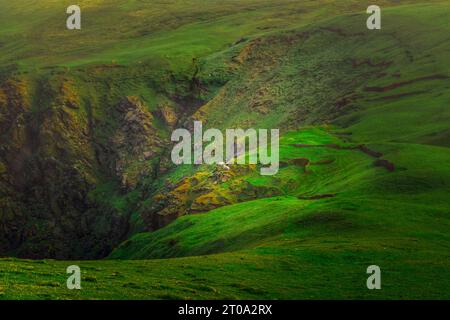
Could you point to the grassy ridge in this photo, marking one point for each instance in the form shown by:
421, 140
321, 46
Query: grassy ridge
34, 36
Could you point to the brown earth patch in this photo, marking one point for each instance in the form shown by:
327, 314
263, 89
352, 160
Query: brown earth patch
341, 32
399, 84
400, 95
370, 152
317, 197
363, 148
355, 63
386, 164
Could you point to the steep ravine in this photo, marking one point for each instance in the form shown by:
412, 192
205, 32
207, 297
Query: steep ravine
74, 161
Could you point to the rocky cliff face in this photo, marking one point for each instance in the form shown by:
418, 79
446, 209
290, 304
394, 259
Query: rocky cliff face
50, 161
205, 190
136, 143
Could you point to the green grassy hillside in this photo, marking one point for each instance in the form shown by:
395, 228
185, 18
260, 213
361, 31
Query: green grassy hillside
124, 31
365, 160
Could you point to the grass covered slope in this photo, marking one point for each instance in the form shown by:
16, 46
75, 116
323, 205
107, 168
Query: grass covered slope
34, 35
392, 125
365, 164
391, 197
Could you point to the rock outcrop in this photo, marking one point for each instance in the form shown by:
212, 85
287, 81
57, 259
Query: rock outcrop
48, 167
136, 143
202, 192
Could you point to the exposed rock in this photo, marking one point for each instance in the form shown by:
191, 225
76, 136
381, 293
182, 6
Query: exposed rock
165, 164
168, 114
136, 142
202, 192
48, 168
